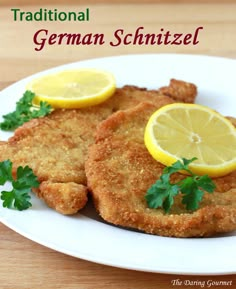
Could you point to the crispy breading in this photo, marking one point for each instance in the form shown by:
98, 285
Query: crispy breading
180, 91
55, 147
120, 170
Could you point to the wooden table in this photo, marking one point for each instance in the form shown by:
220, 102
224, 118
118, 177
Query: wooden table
25, 264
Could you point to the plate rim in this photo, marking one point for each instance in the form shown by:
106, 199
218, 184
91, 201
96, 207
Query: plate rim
180, 55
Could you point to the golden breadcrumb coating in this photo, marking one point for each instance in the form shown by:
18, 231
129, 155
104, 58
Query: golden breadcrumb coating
120, 170
180, 91
55, 146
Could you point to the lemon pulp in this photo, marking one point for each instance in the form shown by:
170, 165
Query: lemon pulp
191, 130
73, 88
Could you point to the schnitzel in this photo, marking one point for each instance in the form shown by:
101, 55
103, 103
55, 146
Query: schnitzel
55, 147
120, 170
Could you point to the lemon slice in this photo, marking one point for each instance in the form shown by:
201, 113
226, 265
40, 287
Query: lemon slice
73, 88
190, 130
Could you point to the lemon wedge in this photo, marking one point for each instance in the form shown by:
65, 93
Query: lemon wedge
190, 130
73, 88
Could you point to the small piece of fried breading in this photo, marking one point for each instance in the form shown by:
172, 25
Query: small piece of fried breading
180, 91
120, 170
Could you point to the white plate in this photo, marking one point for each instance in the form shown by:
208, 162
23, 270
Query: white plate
85, 235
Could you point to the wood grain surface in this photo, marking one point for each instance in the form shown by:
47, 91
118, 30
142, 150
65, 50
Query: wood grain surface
78, 2
28, 265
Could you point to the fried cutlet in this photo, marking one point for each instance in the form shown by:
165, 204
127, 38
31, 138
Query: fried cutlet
55, 147
120, 170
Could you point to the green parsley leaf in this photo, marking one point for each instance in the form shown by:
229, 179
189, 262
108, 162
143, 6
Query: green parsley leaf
206, 183
44, 109
26, 177
24, 112
5, 172
179, 166
19, 197
162, 193
192, 188
192, 199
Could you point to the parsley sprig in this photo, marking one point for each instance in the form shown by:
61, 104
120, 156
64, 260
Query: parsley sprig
192, 188
24, 111
18, 197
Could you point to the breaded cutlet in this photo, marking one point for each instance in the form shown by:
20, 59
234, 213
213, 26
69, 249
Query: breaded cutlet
55, 147
120, 170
